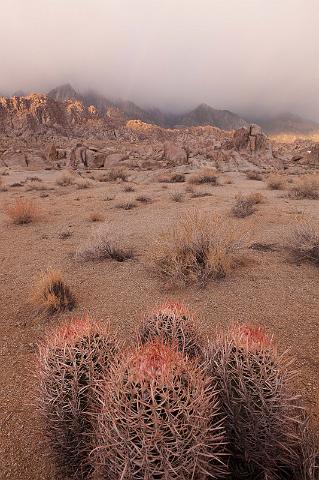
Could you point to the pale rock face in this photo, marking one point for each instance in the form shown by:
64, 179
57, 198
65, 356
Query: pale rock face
174, 154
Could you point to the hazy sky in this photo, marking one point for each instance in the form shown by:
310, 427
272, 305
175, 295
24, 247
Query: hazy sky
244, 55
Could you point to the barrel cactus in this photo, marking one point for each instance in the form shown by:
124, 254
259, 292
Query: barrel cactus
159, 419
262, 414
173, 323
71, 363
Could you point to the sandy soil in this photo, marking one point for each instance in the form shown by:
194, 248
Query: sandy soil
270, 289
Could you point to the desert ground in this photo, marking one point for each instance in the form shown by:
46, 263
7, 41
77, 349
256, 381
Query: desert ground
271, 288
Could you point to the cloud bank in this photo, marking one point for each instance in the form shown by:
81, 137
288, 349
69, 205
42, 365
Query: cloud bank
250, 56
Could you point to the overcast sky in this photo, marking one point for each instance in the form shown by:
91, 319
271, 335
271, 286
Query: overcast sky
243, 55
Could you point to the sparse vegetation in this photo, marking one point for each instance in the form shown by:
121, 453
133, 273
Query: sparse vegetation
304, 242
116, 173
52, 294
177, 197
254, 175
199, 248
105, 244
172, 178
128, 188
207, 175
276, 181
66, 179
126, 205
23, 211
96, 217
144, 199
305, 187
83, 184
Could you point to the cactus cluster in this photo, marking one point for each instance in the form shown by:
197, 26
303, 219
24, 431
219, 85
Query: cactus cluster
172, 407
73, 361
159, 419
173, 323
262, 414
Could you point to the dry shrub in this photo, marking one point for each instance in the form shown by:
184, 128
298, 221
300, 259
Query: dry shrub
256, 197
197, 249
3, 187
243, 207
206, 175
23, 211
305, 187
177, 197
144, 199
226, 180
177, 178
105, 244
83, 184
126, 205
66, 179
96, 217
52, 294
128, 188
276, 182
304, 241
116, 173
200, 194
254, 175
72, 362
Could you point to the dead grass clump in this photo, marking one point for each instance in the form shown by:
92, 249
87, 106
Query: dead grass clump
305, 187
23, 211
144, 199
254, 175
96, 217
116, 173
83, 184
52, 294
177, 178
227, 180
66, 179
197, 249
177, 197
126, 205
204, 176
105, 244
200, 194
128, 188
243, 207
3, 187
304, 241
276, 182
256, 198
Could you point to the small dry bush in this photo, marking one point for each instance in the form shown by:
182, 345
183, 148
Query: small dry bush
200, 194
177, 197
256, 198
204, 176
52, 294
304, 241
83, 184
126, 205
172, 178
243, 207
197, 249
128, 188
254, 175
105, 244
96, 217
305, 187
3, 187
227, 180
116, 173
144, 199
276, 182
66, 179
23, 211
